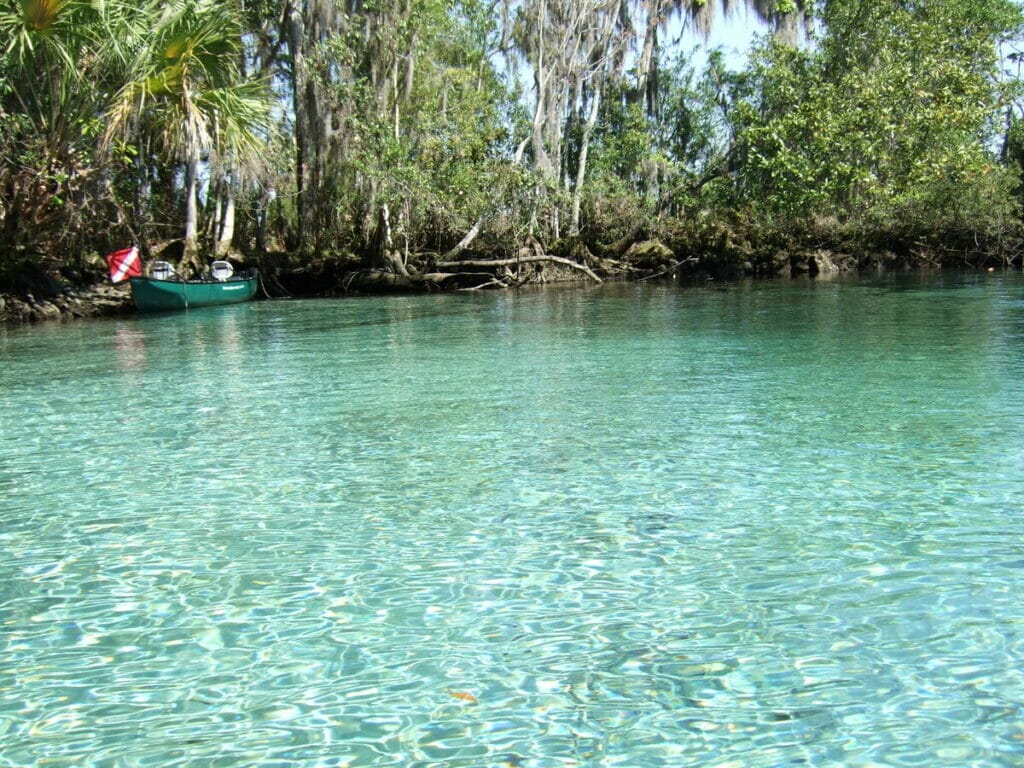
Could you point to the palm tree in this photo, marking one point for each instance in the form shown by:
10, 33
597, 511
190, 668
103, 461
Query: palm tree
53, 63
187, 92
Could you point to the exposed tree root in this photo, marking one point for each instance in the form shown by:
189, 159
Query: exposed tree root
495, 263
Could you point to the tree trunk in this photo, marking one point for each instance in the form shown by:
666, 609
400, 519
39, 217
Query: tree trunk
260, 207
581, 168
226, 228
383, 256
296, 30
190, 257
646, 81
541, 160
214, 218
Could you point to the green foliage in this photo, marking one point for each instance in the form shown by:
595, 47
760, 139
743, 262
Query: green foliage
887, 124
185, 83
895, 123
623, 142
426, 147
53, 65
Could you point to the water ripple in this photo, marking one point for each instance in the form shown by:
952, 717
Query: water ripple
755, 526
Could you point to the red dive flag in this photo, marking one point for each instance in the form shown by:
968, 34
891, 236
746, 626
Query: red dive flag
124, 264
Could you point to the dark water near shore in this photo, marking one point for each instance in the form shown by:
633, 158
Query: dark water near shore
759, 524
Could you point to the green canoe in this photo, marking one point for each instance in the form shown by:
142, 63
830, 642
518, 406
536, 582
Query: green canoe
154, 295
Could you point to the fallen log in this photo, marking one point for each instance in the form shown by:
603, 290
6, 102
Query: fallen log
441, 277
489, 264
493, 283
464, 243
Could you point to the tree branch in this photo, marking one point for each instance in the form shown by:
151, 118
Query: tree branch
488, 264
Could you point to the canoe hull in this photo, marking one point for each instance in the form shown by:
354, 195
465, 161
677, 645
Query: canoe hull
153, 295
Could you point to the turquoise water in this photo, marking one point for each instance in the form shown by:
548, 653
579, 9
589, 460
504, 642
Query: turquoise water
764, 524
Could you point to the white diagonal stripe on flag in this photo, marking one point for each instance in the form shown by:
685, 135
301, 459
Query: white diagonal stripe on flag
125, 265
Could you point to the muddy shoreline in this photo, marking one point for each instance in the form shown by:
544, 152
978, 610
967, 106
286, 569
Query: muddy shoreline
56, 299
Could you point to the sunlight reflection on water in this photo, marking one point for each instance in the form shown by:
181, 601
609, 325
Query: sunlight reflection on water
641, 526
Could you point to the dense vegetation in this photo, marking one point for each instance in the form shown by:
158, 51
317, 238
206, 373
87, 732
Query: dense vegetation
404, 134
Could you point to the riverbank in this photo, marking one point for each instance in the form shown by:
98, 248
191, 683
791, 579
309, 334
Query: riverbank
55, 297
100, 300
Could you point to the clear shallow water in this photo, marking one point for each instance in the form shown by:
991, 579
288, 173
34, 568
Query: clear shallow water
755, 525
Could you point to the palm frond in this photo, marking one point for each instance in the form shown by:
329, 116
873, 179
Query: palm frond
187, 83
